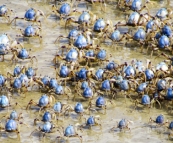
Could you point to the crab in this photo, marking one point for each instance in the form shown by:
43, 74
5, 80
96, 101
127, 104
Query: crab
134, 5
16, 72
139, 36
70, 131
92, 121
21, 54
30, 31
102, 26
99, 56
64, 10
73, 56
85, 19
3, 82
60, 109
59, 90
170, 127
100, 103
44, 102
78, 108
6, 44
126, 86
99, 75
43, 83
71, 36
96, 56
122, 125
87, 93
18, 84
63, 73
82, 43
146, 101
159, 120
47, 117
15, 116
107, 87
162, 43
163, 14
31, 15
5, 12
134, 19
114, 36
4, 101
11, 126
47, 127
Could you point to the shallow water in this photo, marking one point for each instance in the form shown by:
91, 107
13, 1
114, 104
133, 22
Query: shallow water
51, 28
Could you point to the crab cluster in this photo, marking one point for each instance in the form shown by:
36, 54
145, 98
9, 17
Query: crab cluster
84, 72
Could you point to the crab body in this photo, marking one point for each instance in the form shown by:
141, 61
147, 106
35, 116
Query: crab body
2, 80
99, 74
4, 40
11, 125
80, 42
47, 127
136, 5
46, 117
142, 87
3, 10
59, 90
43, 101
101, 55
115, 36
72, 56
30, 72
69, 131
106, 85
4, 101
133, 18
73, 34
53, 83
65, 9
161, 85
111, 66
160, 119
87, 93
162, 13
84, 85
13, 115
99, 25
150, 25
64, 71
17, 84
139, 35
29, 31
16, 71
78, 108
166, 30
30, 14
169, 94
84, 18
145, 100
57, 107
82, 74
149, 74
163, 42
100, 102
23, 54
124, 85
129, 71
3, 49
